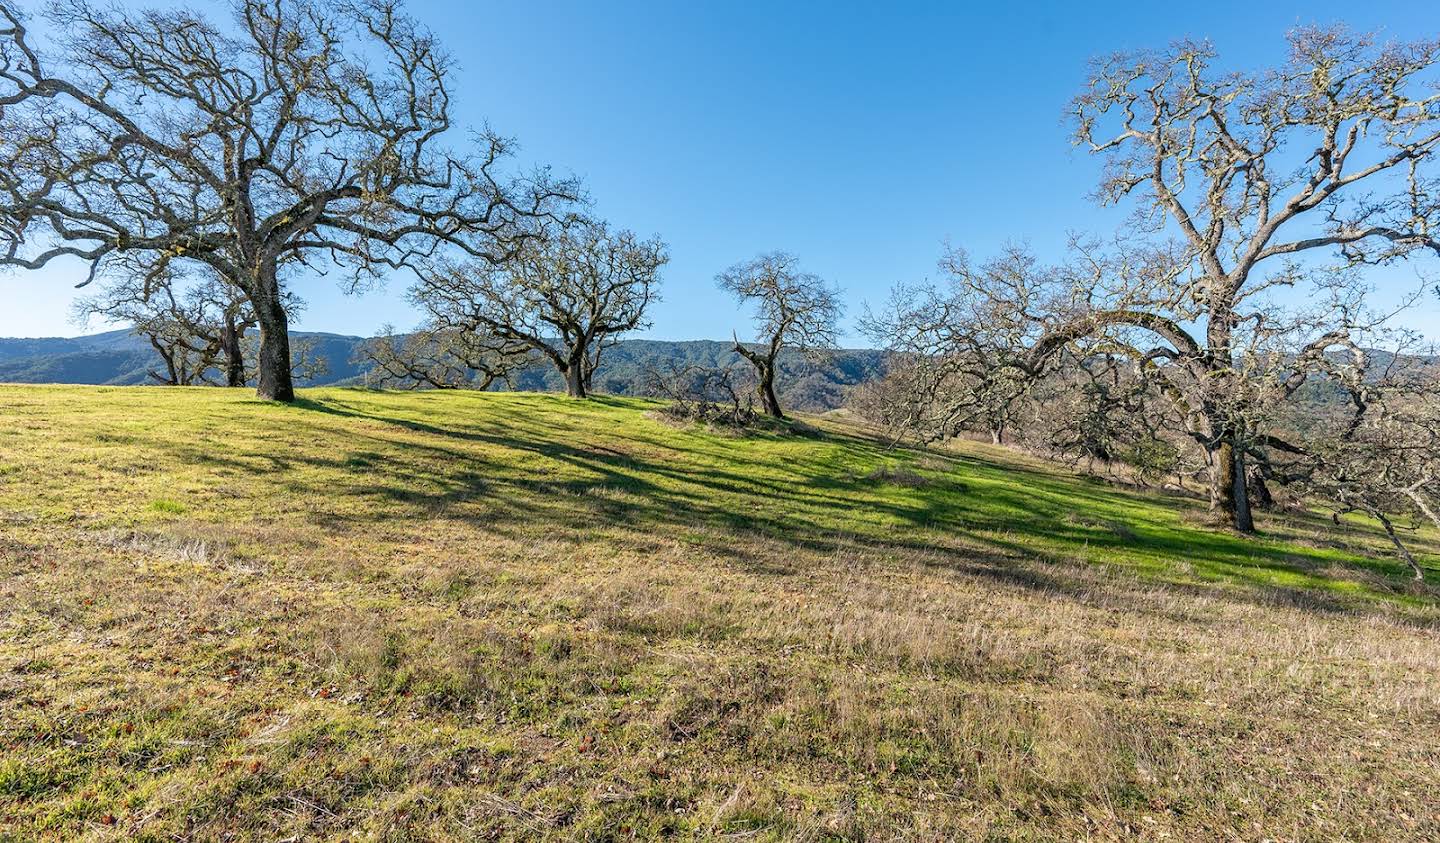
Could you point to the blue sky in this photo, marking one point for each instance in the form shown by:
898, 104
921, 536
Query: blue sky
859, 136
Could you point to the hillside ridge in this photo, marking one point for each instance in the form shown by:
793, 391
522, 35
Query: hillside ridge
120, 358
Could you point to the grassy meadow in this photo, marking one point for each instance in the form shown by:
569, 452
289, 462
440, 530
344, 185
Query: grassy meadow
430, 616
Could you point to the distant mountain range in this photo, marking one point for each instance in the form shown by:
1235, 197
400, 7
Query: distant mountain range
122, 358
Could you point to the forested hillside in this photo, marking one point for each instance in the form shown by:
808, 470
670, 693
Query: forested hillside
120, 358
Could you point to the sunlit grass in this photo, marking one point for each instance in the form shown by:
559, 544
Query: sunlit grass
527, 460
437, 615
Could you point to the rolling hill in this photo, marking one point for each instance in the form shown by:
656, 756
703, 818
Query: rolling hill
431, 616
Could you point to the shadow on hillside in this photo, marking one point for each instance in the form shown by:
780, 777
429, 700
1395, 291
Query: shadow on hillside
629, 492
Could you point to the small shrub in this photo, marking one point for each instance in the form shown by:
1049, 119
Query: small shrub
698, 394
899, 477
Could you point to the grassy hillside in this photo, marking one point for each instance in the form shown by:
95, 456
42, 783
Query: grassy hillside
515, 616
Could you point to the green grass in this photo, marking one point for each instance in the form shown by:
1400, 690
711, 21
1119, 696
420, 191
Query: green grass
344, 454
430, 615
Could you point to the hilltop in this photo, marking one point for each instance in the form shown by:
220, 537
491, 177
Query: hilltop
518, 616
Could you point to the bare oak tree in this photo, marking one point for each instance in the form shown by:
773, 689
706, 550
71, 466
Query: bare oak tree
566, 297
958, 350
1102, 352
793, 309
1371, 444
443, 359
308, 133
1211, 157
196, 325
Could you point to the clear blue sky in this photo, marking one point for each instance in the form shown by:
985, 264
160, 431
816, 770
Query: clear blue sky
859, 136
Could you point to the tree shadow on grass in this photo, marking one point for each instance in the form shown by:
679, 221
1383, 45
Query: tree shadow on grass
634, 481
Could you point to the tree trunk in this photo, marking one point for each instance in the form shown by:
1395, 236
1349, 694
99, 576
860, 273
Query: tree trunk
275, 382
768, 400
765, 369
173, 379
1416, 571
575, 378
1229, 493
231, 338
592, 364
1260, 497
1244, 518
997, 435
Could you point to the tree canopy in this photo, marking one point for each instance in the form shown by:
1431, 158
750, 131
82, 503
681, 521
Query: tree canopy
308, 133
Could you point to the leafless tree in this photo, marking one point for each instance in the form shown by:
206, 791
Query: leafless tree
793, 309
1367, 438
443, 359
966, 356
196, 325
1102, 357
960, 350
1209, 155
894, 400
307, 362
566, 297
1103, 408
308, 133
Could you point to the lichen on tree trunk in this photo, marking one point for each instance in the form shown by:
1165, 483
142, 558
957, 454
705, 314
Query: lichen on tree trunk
1229, 493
